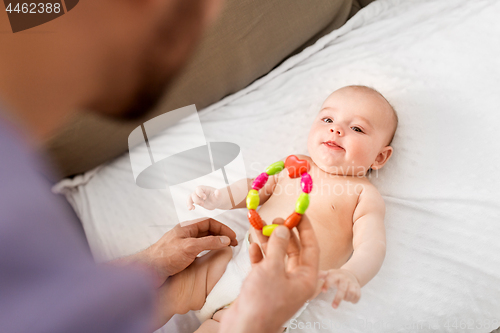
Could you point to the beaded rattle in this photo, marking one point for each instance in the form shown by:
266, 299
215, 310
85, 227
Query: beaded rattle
296, 168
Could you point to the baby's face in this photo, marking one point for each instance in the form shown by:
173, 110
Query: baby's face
352, 131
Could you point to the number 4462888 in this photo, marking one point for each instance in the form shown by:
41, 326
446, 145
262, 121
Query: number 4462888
33, 8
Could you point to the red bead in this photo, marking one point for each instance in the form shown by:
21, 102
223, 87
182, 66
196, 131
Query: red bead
293, 220
295, 166
254, 219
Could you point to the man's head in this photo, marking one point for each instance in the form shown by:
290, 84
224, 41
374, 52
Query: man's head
353, 131
148, 51
114, 57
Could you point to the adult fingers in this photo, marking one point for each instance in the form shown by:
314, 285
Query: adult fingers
264, 248
277, 245
261, 239
309, 254
255, 253
194, 246
210, 227
293, 251
278, 220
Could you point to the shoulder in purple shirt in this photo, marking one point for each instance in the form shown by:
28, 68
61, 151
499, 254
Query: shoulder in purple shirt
48, 279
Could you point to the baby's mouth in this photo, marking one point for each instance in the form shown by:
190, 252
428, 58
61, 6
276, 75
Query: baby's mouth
333, 145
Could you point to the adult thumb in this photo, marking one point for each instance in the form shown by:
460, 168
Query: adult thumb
278, 243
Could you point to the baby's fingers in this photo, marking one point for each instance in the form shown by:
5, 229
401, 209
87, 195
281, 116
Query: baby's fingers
331, 280
196, 199
190, 203
340, 295
353, 294
199, 191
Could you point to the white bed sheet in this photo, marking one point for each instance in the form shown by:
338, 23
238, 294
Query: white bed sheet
437, 62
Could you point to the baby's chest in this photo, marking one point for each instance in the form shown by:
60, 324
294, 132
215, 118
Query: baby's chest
331, 208
330, 201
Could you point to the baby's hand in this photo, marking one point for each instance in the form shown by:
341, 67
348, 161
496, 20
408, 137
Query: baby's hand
348, 288
206, 197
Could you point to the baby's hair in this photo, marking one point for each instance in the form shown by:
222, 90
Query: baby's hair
394, 113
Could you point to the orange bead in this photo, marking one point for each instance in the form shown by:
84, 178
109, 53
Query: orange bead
293, 220
255, 220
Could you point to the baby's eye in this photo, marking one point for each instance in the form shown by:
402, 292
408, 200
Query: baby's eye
327, 120
357, 129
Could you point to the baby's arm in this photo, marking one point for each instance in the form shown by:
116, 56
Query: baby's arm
368, 236
369, 248
212, 198
264, 193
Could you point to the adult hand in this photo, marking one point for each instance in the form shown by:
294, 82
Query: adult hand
178, 248
274, 290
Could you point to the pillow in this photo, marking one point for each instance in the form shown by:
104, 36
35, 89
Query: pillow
248, 40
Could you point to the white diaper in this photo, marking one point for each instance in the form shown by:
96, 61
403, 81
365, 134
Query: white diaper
227, 289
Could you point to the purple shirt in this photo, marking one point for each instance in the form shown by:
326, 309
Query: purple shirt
48, 279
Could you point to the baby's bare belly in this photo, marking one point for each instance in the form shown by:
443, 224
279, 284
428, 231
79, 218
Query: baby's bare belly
330, 216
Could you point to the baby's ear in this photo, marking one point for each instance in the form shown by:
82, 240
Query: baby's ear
382, 157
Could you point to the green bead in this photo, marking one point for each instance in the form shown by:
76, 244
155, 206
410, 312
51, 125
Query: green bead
275, 168
302, 203
268, 229
253, 199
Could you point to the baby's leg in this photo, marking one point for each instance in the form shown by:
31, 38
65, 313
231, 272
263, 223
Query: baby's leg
189, 288
208, 326
211, 325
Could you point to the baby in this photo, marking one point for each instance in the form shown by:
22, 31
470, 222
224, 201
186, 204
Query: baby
350, 136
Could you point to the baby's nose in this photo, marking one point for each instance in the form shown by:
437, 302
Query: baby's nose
337, 130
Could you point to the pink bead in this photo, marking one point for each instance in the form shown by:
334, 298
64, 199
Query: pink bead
260, 181
306, 183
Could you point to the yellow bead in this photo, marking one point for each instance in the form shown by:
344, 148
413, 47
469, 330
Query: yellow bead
302, 203
253, 199
268, 229
275, 168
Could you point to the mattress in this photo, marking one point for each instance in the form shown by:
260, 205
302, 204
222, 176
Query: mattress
437, 62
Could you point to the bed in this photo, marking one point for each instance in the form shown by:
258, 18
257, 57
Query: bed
437, 63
